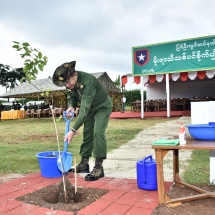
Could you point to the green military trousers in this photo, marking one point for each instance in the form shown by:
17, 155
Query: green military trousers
94, 138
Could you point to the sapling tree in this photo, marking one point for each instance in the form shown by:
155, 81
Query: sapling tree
34, 61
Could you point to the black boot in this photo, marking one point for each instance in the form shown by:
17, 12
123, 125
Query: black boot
82, 167
98, 171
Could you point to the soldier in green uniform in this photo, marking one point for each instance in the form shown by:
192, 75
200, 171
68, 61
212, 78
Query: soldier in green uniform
94, 112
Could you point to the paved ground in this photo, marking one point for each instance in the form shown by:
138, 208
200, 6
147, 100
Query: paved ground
121, 163
123, 198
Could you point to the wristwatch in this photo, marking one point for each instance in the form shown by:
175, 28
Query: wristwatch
73, 130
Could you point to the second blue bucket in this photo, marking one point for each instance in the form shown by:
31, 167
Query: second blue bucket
48, 164
147, 174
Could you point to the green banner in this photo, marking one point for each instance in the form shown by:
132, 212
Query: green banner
193, 54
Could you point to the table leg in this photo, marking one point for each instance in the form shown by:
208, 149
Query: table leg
175, 165
160, 154
176, 176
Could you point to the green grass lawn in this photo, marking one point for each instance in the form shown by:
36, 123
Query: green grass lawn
21, 140
198, 170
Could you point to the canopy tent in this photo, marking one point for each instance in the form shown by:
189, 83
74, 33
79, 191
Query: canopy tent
129, 78
185, 60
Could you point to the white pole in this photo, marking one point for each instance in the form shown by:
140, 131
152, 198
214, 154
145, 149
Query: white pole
142, 97
168, 95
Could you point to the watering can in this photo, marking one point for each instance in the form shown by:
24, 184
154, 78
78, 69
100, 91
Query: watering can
146, 173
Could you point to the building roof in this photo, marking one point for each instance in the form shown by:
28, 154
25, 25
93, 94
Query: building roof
36, 87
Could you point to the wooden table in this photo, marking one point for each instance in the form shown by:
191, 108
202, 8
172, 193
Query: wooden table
13, 114
160, 152
160, 106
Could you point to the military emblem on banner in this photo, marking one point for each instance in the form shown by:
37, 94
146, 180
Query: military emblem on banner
141, 57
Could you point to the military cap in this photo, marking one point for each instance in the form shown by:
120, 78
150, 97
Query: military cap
63, 73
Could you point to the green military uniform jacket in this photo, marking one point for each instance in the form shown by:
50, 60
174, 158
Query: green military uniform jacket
91, 95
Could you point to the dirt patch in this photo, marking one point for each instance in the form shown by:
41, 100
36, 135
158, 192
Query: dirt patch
53, 197
197, 207
32, 138
42, 137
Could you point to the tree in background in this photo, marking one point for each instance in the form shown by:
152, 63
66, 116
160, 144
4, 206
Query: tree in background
117, 82
119, 85
10, 77
4, 69
133, 95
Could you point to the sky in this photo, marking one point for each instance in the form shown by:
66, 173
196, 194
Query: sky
98, 34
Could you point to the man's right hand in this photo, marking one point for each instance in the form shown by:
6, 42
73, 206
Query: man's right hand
69, 110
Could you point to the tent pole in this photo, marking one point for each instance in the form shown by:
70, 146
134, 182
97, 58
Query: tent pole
168, 95
142, 97
122, 97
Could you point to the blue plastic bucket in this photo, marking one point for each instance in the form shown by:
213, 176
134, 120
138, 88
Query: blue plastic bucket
202, 131
48, 164
147, 174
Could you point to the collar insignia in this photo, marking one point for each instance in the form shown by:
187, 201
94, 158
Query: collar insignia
80, 85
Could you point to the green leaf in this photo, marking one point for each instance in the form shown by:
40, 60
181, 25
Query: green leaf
15, 46
22, 79
26, 49
40, 55
28, 67
33, 76
34, 71
25, 44
16, 42
58, 120
45, 59
40, 67
36, 61
25, 69
32, 64
43, 62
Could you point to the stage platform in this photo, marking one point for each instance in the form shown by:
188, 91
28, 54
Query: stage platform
129, 114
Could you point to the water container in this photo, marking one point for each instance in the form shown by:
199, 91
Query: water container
48, 164
147, 174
